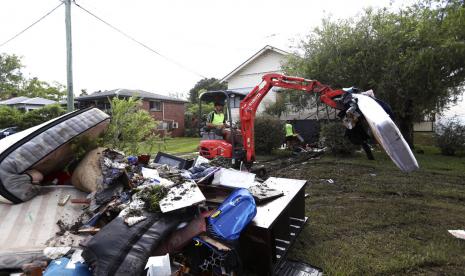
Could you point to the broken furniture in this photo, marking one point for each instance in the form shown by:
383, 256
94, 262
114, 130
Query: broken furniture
273, 231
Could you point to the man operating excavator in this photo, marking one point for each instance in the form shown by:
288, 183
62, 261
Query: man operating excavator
216, 119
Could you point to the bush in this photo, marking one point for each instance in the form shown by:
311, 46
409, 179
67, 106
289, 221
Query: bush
40, 115
450, 136
9, 117
130, 127
269, 134
332, 135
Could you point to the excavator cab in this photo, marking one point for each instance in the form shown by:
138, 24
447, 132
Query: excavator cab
226, 143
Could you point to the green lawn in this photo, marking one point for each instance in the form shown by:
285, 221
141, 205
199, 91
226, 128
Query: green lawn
376, 220
178, 145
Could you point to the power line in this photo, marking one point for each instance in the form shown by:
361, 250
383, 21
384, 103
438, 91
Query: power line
140, 43
30, 26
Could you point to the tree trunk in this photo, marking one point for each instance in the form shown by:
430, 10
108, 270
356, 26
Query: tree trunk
405, 123
406, 128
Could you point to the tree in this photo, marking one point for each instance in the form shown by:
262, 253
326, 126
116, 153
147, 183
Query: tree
413, 59
207, 84
37, 88
10, 75
13, 83
177, 95
278, 107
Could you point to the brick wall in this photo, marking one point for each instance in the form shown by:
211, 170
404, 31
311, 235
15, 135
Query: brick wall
173, 111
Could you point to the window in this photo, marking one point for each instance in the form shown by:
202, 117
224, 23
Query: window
235, 102
155, 106
162, 125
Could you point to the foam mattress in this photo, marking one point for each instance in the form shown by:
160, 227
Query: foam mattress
387, 134
45, 148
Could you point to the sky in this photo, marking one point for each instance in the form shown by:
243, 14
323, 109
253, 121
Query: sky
209, 38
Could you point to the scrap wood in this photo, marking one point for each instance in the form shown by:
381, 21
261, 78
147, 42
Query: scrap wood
218, 245
80, 201
181, 196
63, 200
90, 230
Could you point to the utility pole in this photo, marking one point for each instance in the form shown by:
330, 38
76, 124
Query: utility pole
69, 56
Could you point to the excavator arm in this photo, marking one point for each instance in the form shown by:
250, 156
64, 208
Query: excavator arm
249, 104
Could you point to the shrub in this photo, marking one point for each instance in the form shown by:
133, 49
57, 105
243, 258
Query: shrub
9, 117
450, 136
332, 135
269, 134
130, 126
40, 115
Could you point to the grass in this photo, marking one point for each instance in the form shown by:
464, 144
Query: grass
175, 145
376, 220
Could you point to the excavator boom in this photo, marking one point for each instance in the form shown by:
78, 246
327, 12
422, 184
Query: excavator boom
249, 104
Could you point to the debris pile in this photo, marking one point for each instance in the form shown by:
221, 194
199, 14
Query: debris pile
135, 213
171, 214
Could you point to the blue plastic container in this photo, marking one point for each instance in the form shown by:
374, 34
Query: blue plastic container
233, 215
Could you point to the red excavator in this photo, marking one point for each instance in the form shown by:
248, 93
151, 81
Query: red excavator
240, 146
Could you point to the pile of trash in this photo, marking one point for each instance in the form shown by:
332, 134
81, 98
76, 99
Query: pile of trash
152, 217
71, 209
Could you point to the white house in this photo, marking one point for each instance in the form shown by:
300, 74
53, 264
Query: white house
26, 104
249, 74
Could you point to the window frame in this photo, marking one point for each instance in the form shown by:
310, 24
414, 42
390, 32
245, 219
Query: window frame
154, 104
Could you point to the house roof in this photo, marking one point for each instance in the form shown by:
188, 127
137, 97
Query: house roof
27, 100
128, 93
252, 58
14, 100
38, 101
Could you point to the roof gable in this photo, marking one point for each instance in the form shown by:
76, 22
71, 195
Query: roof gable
252, 59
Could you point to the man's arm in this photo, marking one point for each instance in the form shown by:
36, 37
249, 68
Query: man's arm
210, 120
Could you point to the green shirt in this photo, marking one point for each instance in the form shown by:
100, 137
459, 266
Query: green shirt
288, 129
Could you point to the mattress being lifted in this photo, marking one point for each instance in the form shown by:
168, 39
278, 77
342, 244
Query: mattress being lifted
44, 148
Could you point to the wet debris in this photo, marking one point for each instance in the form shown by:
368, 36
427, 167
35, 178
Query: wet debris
221, 162
152, 195
262, 192
65, 227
